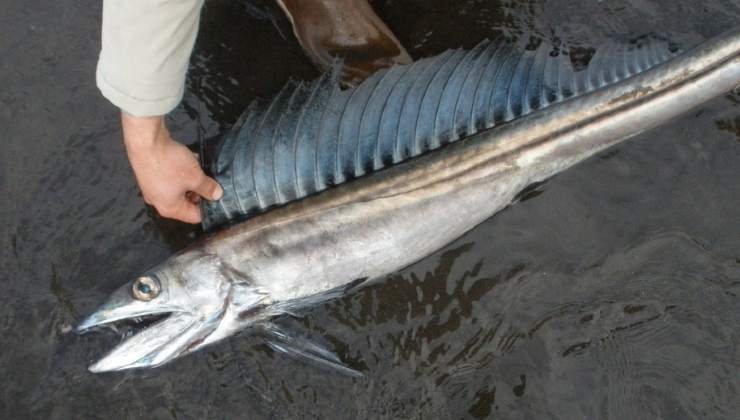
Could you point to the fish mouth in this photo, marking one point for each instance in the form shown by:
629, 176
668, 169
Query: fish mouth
157, 333
136, 318
161, 337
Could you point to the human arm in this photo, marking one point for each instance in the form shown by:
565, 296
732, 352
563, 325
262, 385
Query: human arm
146, 46
167, 172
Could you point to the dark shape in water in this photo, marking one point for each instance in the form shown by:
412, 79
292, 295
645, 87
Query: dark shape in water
313, 136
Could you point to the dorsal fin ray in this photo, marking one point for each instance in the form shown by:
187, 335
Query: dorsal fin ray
315, 135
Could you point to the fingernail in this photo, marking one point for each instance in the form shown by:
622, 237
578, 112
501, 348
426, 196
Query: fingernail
219, 193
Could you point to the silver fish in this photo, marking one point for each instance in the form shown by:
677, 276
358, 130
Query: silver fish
313, 249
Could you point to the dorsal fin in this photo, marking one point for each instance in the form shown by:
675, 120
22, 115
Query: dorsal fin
312, 136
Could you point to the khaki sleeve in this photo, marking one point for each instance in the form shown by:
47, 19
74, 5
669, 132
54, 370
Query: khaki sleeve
146, 47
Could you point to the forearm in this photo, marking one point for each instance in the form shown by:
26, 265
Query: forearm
146, 47
143, 136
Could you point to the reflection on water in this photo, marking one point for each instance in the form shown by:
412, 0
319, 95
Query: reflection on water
732, 125
611, 291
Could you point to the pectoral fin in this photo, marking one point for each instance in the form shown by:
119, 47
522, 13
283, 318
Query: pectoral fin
293, 345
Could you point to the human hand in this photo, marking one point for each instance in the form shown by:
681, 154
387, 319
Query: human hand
167, 172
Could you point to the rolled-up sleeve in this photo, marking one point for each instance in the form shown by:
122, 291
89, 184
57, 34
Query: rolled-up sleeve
146, 47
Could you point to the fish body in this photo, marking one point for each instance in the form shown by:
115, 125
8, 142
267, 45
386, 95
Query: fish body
301, 246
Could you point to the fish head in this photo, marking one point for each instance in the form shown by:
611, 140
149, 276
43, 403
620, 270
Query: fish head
197, 297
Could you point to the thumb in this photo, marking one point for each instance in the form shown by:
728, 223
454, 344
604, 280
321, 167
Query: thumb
209, 189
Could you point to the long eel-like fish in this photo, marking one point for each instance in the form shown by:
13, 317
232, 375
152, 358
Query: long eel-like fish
330, 186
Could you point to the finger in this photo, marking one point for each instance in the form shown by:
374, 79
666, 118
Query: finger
192, 197
190, 213
184, 211
209, 189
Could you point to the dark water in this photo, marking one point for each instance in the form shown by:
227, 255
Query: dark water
612, 291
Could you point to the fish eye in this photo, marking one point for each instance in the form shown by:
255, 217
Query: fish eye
146, 288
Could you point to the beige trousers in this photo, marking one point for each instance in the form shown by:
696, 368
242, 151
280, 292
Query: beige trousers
146, 47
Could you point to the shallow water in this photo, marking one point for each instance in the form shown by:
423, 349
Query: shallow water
611, 291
